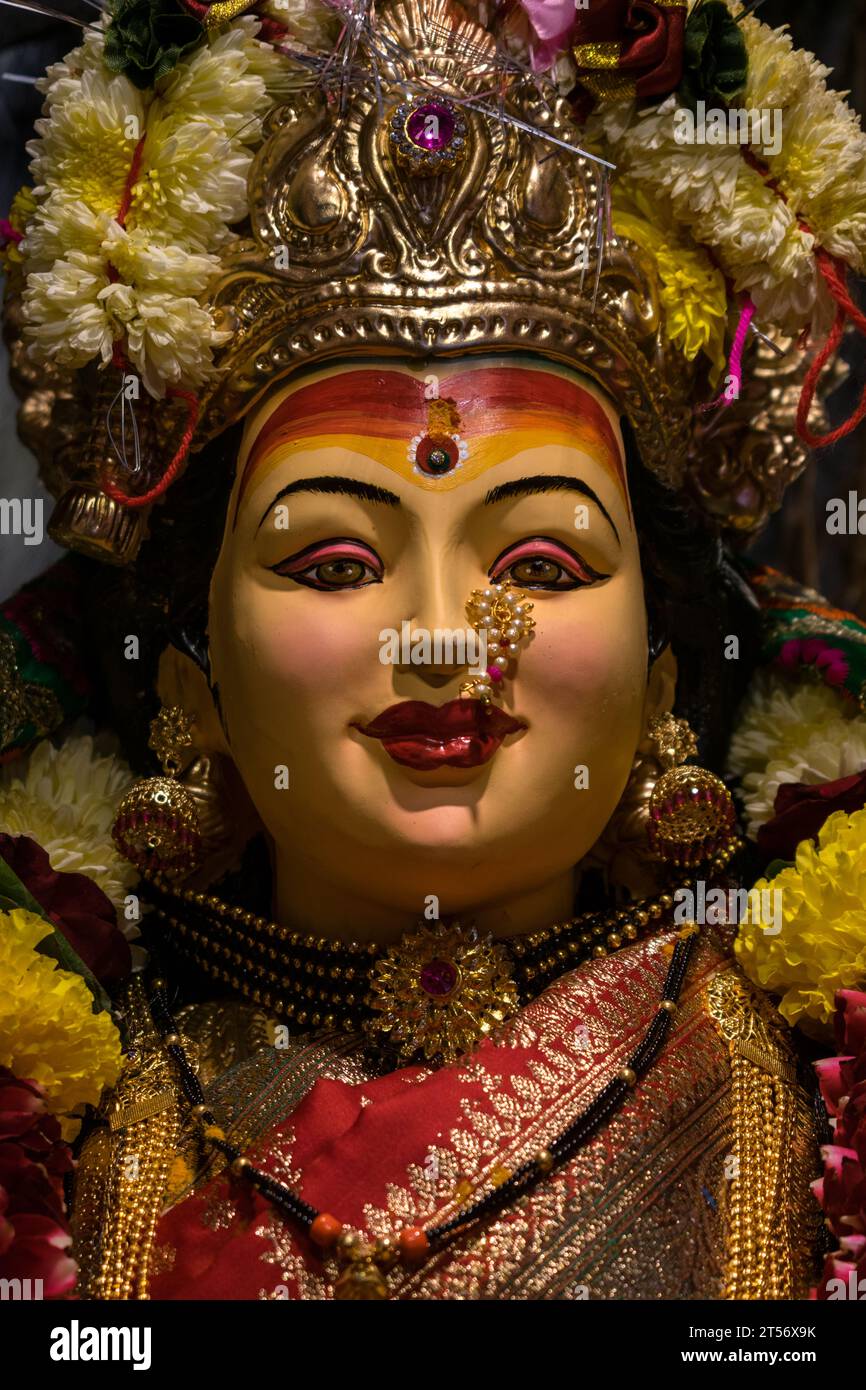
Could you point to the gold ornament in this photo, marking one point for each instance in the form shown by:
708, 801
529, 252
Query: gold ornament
501, 611
440, 991
157, 826
691, 814
499, 253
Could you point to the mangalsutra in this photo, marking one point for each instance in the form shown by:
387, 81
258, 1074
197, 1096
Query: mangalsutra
432, 996
366, 1263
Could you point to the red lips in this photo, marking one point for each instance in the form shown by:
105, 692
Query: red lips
461, 733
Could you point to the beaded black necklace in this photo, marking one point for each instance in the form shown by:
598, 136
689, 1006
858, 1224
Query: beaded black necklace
310, 982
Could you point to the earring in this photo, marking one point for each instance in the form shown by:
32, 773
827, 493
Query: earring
691, 813
502, 613
157, 826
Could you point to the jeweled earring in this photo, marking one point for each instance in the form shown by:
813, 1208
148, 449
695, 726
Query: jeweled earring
691, 813
157, 826
503, 612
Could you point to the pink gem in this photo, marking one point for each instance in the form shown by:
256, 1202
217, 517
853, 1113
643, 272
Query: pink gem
438, 978
494, 673
431, 126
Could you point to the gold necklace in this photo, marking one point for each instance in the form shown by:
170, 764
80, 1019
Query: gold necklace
432, 996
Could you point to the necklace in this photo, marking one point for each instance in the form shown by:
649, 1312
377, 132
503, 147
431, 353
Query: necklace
432, 996
365, 1264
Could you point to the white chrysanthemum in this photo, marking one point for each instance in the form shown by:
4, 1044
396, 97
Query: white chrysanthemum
791, 733
784, 288
66, 323
61, 224
66, 799
192, 184
777, 70
310, 22
144, 264
59, 82
86, 145
168, 339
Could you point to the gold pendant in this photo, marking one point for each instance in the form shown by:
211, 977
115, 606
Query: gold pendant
440, 991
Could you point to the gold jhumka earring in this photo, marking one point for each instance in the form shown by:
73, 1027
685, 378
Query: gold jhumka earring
502, 613
691, 813
157, 825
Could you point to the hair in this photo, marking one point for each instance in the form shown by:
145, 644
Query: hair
696, 598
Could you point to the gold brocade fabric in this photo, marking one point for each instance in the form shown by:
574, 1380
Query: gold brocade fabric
698, 1187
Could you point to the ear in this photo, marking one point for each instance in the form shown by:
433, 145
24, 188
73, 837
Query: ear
181, 682
661, 687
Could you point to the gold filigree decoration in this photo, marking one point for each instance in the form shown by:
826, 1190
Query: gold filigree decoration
772, 1220
440, 991
23, 702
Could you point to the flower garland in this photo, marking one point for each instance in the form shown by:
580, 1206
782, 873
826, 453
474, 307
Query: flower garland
135, 193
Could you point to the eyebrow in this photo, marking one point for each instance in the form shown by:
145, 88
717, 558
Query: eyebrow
549, 482
335, 487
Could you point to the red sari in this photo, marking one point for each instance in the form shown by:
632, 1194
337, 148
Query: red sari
645, 1210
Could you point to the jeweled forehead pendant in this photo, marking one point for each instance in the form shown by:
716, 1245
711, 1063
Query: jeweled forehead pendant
502, 611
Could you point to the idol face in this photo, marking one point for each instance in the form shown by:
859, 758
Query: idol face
369, 502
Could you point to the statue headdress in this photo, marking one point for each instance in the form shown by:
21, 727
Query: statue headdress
318, 181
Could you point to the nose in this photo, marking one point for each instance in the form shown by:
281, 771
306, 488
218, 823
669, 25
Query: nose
443, 645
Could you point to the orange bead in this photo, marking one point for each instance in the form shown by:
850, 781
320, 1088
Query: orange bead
325, 1230
414, 1245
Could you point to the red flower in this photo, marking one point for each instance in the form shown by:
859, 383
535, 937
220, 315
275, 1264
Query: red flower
34, 1233
636, 45
802, 809
841, 1192
76, 906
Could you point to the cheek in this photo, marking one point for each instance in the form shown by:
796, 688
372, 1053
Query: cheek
584, 692
271, 643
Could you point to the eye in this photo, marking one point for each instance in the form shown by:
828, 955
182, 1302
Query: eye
543, 563
331, 565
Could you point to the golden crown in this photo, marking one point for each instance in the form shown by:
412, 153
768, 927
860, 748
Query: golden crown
413, 222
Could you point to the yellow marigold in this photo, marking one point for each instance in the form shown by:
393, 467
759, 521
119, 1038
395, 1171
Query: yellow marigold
48, 1030
822, 943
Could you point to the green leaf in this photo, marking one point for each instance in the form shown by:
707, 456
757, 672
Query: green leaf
14, 894
776, 866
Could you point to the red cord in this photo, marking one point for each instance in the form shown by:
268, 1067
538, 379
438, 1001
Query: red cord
168, 477
119, 360
834, 273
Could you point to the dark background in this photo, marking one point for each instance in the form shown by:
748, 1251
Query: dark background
796, 539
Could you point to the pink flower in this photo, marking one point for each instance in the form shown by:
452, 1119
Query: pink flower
552, 22
814, 651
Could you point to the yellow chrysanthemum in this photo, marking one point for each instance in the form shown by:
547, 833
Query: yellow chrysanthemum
822, 943
48, 1030
692, 290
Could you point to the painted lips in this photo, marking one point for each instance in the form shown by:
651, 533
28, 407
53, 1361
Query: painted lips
462, 733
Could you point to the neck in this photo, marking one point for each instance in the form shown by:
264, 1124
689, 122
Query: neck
314, 903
